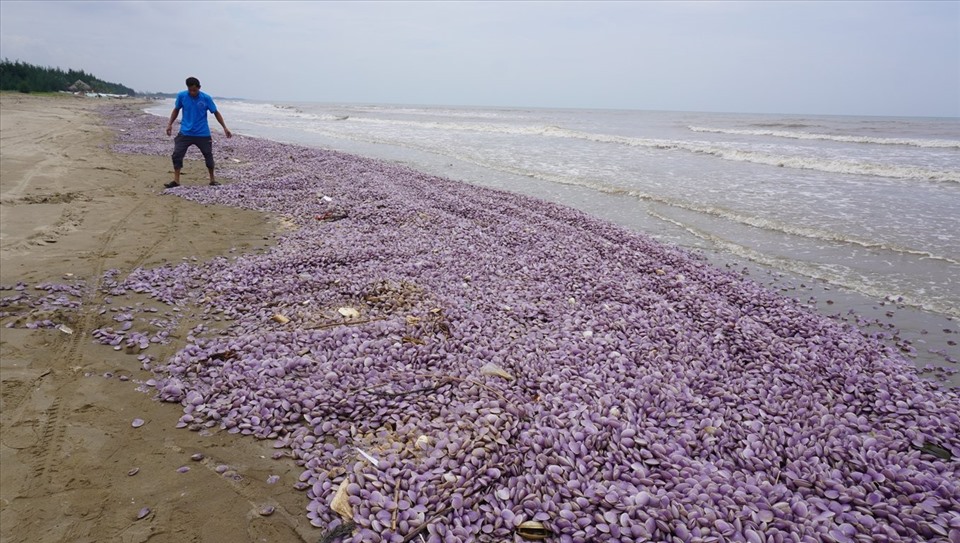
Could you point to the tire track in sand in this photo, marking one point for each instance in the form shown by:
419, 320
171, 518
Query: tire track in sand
52, 435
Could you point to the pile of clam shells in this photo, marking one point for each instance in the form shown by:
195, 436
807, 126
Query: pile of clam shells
452, 363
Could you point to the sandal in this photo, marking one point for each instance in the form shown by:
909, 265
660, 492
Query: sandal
214, 184
171, 184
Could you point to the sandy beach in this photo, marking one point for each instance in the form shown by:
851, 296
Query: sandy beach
71, 210
458, 363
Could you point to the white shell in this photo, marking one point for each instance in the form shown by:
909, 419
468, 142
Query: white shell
341, 504
494, 370
348, 312
423, 442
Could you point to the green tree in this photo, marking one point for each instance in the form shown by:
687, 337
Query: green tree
25, 77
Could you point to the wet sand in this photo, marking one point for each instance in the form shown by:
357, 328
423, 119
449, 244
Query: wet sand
71, 210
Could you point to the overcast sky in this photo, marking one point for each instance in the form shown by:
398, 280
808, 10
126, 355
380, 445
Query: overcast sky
858, 58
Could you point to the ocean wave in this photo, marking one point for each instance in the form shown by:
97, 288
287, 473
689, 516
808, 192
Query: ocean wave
698, 147
783, 161
281, 112
927, 143
782, 125
753, 221
704, 148
834, 274
831, 165
807, 232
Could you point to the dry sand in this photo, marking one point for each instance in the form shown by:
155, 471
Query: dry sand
70, 206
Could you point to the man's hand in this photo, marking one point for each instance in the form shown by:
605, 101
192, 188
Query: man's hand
173, 117
223, 124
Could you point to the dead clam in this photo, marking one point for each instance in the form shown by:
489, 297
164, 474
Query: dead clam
533, 530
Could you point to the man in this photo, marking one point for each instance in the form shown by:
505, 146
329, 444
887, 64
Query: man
194, 129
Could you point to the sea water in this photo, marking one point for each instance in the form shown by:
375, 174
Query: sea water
866, 205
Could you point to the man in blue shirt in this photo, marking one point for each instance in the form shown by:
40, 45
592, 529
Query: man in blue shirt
194, 129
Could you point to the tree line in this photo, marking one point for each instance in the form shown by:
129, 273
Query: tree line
23, 77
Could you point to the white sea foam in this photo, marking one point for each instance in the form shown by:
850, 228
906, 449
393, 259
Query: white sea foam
280, 113
835, 274
927, 143
838, 166
770, 159
830, 165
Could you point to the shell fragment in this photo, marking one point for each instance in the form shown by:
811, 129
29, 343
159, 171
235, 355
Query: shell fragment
494, 370
341, 503
348, 312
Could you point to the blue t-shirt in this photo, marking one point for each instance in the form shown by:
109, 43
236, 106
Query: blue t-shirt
194, 119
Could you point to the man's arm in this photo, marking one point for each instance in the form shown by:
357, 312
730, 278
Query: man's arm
223, 124
173, 117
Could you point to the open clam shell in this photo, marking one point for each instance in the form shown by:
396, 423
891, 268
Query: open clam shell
533, 530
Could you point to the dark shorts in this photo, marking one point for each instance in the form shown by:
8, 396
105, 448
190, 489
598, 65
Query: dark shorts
181, 143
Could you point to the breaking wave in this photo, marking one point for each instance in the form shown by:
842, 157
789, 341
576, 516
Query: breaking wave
927, 143
833, 274
703, 148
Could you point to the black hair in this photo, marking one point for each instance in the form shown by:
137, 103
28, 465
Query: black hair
193, 82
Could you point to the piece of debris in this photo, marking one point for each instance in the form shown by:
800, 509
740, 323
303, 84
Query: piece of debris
341, 503
494, 370
349, 312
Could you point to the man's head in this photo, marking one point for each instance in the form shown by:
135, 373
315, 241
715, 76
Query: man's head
193, 86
